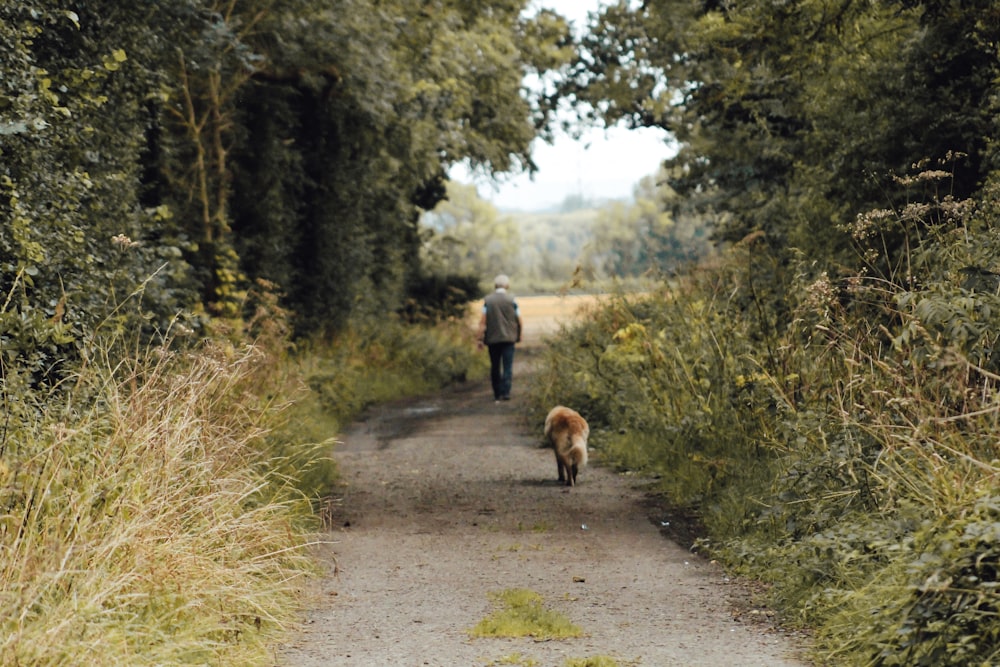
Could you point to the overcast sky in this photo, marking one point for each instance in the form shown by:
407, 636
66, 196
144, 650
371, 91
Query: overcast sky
603, 164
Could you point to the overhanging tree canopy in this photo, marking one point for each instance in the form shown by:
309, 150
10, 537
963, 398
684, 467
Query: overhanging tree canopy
784, 111
226, 141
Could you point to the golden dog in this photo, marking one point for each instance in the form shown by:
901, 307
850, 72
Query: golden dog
566, 432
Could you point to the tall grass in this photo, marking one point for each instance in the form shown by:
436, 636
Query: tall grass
837, 436
141, 524
156, 505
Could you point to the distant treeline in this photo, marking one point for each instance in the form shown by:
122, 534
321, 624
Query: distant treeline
582, 243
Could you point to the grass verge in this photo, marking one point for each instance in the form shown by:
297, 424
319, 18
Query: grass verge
141, 524
158, 510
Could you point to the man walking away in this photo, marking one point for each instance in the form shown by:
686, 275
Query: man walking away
500, 329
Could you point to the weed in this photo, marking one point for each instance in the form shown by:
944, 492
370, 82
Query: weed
520, 613
539, 527
593, 661
515, 659
373, 363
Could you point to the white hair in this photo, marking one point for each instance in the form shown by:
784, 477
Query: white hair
501, 281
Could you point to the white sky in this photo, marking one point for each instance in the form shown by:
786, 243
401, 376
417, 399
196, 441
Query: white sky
603, 164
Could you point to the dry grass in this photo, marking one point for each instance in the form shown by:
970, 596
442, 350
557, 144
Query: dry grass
141, 527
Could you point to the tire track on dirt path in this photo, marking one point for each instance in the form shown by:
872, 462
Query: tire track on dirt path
448, 497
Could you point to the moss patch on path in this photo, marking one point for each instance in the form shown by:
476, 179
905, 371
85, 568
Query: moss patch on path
520, 613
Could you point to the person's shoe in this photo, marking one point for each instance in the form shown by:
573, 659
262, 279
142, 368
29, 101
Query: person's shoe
505, 398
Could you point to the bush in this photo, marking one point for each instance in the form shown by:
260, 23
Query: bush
668, 383
836, 435
376, 362
439, 298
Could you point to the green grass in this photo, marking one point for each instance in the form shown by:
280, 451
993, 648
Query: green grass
539, 527
515, 660
377, 362
836, 437
593, 661
520, 613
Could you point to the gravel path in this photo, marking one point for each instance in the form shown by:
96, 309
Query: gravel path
448, 498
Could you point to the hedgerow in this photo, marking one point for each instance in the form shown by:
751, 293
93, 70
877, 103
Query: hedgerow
834, 427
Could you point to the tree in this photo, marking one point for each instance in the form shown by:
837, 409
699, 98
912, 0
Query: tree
642, 237
784, 111
351, 129
466, 235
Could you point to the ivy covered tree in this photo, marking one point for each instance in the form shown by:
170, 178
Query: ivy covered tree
75, 233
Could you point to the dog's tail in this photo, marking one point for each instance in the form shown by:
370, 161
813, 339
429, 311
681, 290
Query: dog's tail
578, 450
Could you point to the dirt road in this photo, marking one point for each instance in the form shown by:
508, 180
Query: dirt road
448, 498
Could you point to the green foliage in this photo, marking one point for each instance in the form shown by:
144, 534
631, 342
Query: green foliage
72, 136
436, 298
781, 110
515, 659
521, 613
350, 128
466, 235
939, 599
670, 372
643, 237
553, 245
592, 661
837, 436
379, 361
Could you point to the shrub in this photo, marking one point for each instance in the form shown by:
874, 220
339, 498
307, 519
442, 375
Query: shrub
438, 298
375, 362
835, 434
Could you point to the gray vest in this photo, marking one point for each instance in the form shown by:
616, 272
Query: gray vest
501, 318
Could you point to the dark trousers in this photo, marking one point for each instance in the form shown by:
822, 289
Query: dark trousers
501, 369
